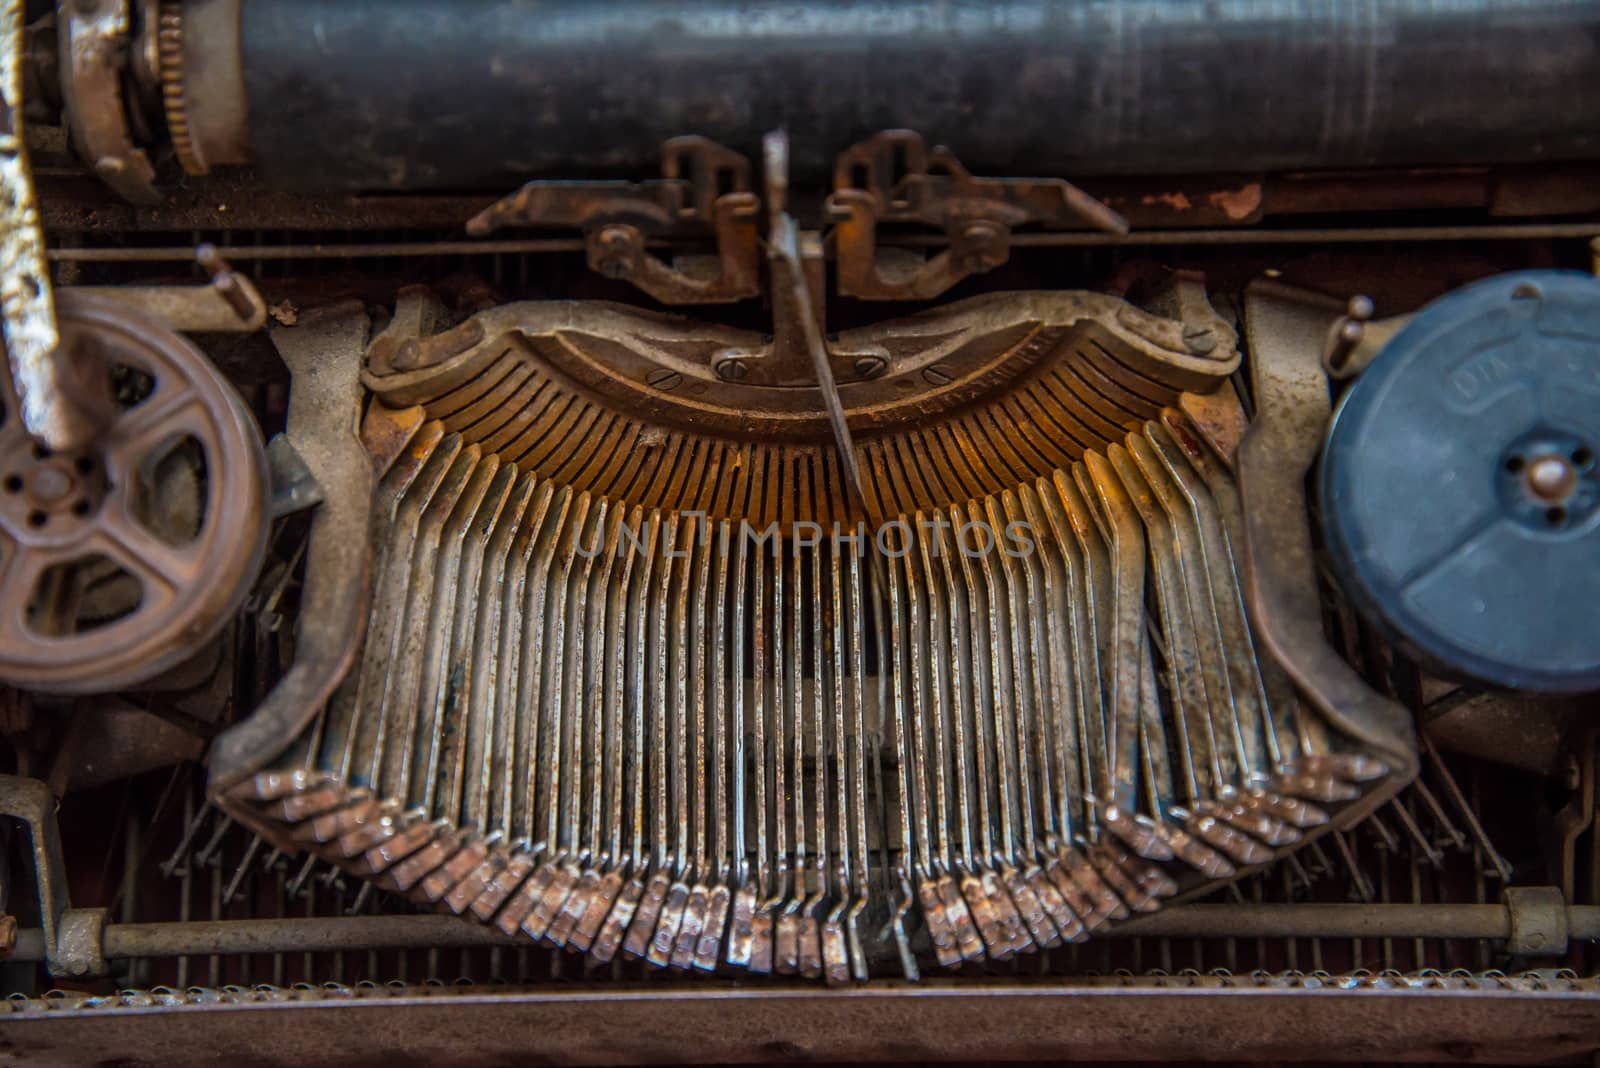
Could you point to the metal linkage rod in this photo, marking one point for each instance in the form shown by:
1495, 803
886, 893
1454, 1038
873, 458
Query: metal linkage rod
330, 934
1242, 236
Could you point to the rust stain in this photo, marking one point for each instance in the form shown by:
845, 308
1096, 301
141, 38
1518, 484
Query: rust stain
1175, 425
1238, 203
1176, 201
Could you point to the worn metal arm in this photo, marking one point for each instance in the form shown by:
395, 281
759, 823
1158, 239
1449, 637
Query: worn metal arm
1286, 330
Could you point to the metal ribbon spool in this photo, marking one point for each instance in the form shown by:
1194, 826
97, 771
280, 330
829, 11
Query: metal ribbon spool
120, 560
1460, 490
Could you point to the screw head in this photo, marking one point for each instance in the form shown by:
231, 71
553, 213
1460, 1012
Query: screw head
1199, 339
980, 246
870, 366
732, 369
614, 249
663, 378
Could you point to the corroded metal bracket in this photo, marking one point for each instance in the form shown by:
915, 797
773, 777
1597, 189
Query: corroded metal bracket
703, 186
1286, 329
892, 177
94, 40
680, 371
323, 354
1355, 339
72, 936
230, 304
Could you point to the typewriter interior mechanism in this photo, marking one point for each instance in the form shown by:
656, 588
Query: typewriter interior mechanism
703, 531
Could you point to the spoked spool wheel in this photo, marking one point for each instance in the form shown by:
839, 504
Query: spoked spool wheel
121, 560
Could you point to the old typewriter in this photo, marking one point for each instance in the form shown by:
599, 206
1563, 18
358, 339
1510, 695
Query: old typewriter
696, 530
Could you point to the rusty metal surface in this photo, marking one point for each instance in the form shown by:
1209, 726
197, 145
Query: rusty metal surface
196, 63
230, 304
66, 517
113, 739
1555, 921
1410, 852
1518, 730
74, 201
323, 352
526, 634
552, 594
1494, 1020
1060, 372
1222, 433
1068, 688
893, 177
1287, 330
72, 937
202, 90
703, 187
346, 249
170, 38
1218, 418
94, 41
31, 802
41, 377
1180, 1025
798, 276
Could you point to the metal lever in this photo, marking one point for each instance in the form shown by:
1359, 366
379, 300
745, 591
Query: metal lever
790, 288
39, 368
619, 219
894, 177
788, 275
229, 304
